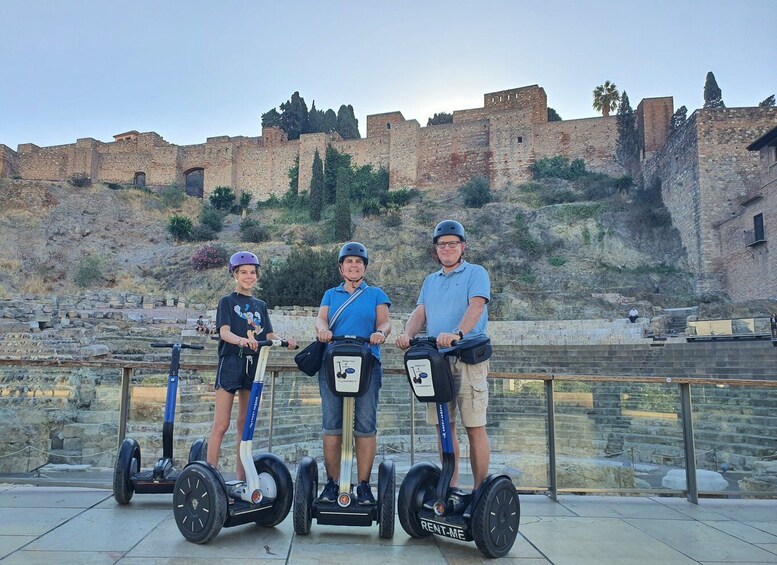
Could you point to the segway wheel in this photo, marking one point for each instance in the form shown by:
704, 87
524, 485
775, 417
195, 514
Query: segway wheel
276, 482
387, 502
199, 503
419, 485
198, 451
496, 517
305, 490
127, 465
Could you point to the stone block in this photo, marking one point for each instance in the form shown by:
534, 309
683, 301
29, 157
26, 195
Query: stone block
705, 480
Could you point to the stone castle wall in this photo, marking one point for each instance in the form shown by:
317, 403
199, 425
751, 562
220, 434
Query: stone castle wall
498, 141
705, 172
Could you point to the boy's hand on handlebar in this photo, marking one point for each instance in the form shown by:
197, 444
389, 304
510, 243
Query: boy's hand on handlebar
403, 341
252, 343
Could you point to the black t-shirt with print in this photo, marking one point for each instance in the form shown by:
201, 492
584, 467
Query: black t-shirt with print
242, 313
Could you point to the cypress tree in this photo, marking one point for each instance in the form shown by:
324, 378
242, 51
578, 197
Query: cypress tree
333, 162
713, 96
347, 124
314, 118
343, 205
271, 118
329, 122
627, 143
317, 188
294, 117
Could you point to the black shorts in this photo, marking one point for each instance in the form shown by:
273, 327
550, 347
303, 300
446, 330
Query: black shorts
236, 373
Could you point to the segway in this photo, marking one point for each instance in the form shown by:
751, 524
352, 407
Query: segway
203, 502
427, 505
127, 476
348, 364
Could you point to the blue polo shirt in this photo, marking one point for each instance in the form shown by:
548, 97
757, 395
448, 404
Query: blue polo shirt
359, 317
446, 297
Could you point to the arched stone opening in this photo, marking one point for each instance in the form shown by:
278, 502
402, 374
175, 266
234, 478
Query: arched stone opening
195, 181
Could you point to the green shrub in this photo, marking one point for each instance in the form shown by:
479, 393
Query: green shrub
203, 233
222, 198
371, 208
523, 239
596, 186
212, 218
114, 185
180, 227
402, 196
172, 196
570, 213
88, 271
586, 235
392, 219
245, 200
476, 192
558, 167
209, 256
251, 230
301, 279
556, 261
80, 180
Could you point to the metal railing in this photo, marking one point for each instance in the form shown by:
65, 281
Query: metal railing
548, 430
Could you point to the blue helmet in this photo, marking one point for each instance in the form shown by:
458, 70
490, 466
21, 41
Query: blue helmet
353, 249
449, 227
243, 258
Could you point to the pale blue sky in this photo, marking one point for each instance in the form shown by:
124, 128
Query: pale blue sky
195, 69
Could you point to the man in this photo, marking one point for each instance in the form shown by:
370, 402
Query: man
633, 314
452, 304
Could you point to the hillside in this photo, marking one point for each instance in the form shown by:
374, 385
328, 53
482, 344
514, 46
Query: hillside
593, 257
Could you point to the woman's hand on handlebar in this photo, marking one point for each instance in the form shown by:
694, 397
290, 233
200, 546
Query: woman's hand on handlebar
291, 343
324, 336
377, 338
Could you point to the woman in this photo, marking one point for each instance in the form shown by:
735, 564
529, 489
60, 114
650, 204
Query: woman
366, 315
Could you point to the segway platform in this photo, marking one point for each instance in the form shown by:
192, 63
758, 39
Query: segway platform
348, 364
427, 504
203, 502
128, 479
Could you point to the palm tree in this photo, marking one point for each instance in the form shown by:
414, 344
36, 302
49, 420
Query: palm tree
606, 98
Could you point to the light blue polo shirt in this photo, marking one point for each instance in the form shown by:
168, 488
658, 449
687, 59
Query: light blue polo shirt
446, 297
359, 317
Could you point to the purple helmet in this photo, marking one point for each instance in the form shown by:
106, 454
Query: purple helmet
243, 258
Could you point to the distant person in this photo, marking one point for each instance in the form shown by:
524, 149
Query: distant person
201, 327
242, 321
773, 326
633, 315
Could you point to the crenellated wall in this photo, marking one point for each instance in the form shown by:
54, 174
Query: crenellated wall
498, 141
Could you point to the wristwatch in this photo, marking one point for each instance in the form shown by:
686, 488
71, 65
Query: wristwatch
458, 332
381, 332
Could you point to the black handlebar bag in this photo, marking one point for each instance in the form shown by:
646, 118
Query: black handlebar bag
472, 351
429, 374
348, 365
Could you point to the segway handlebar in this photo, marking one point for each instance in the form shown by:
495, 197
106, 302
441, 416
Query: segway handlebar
181, 345
429, 340
354, 337
275, 343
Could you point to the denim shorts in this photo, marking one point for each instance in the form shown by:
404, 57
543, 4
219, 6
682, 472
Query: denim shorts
365, 409
236, 373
